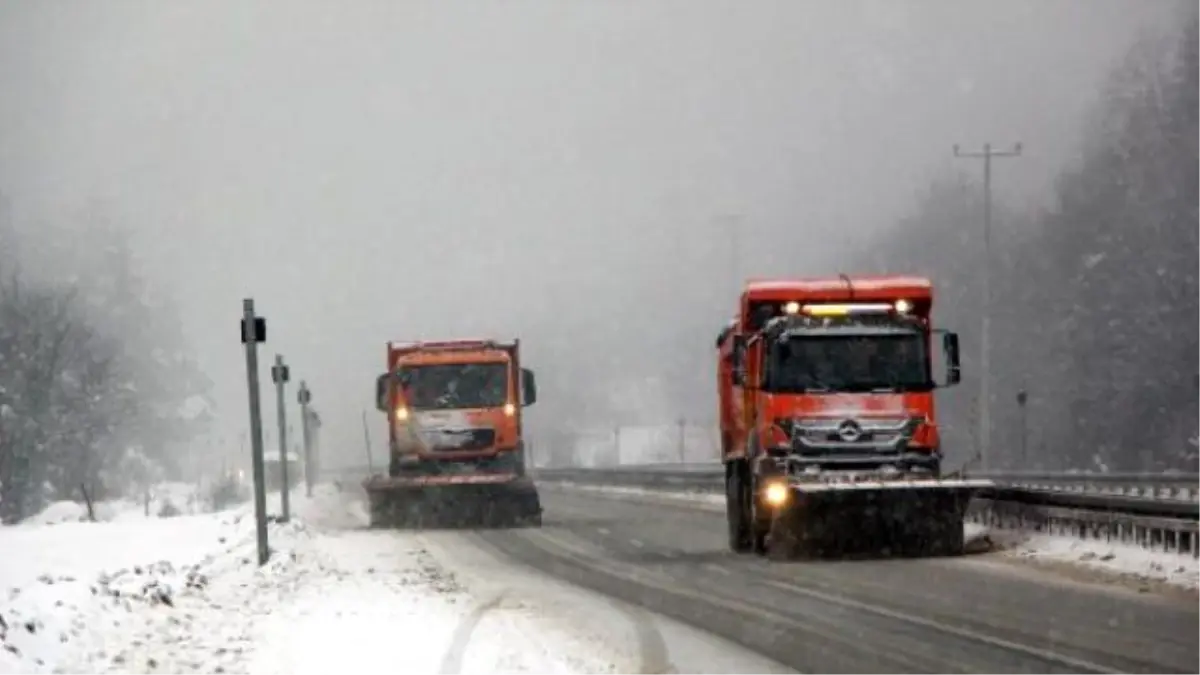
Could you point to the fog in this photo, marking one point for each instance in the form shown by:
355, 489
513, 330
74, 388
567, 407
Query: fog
593, 178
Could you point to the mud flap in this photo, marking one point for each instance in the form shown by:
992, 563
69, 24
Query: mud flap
398, 504
891, 519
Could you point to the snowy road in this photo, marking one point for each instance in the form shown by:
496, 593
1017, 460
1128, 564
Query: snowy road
372, 612
970, 614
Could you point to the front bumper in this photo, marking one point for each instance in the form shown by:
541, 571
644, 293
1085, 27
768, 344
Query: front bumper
906, 461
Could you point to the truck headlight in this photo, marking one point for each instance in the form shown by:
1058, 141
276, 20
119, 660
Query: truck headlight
401, 414
776, 494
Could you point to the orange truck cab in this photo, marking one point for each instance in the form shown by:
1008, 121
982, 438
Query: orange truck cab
829, 380
455, 407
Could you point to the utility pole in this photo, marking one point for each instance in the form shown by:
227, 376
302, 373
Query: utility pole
280, 376
304, 396
984, 430
315, 423
682, 440
1022, 400
254, 331
367, 444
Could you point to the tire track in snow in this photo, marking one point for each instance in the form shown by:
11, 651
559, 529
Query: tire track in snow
453, 659
653, 655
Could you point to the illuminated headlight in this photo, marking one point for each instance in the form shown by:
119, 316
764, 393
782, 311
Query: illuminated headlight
509, 410
903, 306
776, 494
401, 414
792, 307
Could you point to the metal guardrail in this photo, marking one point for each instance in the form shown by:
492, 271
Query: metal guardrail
1174, 487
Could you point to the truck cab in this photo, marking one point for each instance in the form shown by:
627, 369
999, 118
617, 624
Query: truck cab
828, 376
455, 406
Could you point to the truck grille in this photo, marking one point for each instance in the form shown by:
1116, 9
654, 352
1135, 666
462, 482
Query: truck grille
464, 440
874, 436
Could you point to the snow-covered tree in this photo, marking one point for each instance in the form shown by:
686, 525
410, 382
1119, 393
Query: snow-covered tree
1096, 296
96, 387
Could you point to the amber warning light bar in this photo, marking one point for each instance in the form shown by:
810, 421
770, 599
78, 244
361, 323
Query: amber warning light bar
900, 306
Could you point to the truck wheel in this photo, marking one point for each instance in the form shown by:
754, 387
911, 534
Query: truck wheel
519, 461
736, 509
760, 527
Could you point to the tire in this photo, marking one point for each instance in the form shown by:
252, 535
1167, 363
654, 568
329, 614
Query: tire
758, 518
736, 509
519, 460
760, 529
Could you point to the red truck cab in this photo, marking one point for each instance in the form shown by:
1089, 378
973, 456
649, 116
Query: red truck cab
830, 375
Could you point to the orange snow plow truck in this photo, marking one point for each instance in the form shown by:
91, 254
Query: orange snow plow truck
456, 449
828, 432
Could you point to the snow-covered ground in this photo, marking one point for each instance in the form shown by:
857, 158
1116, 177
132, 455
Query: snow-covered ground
184, 594
1110, 557
163, 499
1118, 558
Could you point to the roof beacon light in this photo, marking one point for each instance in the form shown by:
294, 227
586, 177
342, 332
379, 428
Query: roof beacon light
903, 306
844, 309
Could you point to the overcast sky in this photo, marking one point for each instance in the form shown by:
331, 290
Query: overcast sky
569, 172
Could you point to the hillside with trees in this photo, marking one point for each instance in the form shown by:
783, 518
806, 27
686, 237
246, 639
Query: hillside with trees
1095, 308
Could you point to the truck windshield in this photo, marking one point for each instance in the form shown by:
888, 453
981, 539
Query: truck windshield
446, 386
849, 363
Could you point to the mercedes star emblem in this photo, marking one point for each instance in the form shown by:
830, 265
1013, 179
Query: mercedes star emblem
849, 431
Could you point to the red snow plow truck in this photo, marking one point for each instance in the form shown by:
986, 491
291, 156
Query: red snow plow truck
829, 437
456, 449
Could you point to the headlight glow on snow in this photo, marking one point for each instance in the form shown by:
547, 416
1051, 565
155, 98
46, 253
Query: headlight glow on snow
776, 494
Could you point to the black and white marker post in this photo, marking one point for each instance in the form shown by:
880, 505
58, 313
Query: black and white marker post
280, 376
254, 331
304, 396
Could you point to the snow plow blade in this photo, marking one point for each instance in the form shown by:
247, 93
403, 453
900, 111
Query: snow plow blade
453, 501
890, 517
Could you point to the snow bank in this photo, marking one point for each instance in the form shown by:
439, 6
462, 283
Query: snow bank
186, 595
94, 597
1117, 558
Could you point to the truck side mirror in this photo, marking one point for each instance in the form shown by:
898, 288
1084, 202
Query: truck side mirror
381, 393
953, 368
528, 387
